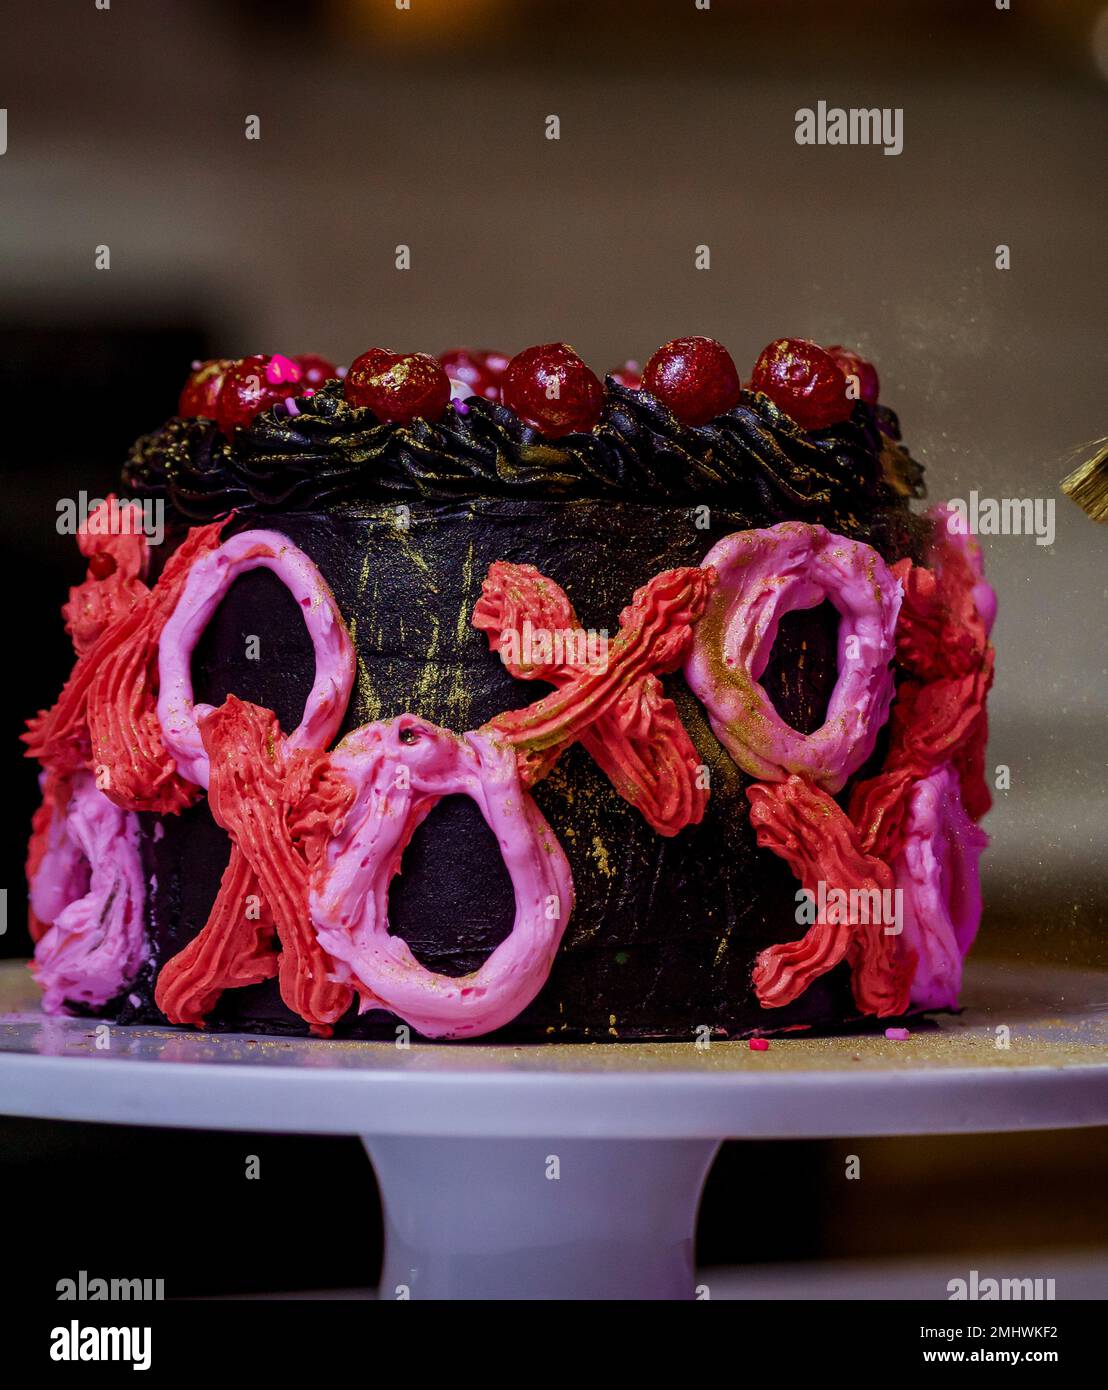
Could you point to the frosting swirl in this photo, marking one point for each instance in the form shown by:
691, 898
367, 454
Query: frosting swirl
327, 451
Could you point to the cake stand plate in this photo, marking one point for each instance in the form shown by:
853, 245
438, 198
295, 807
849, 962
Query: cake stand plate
572, 1170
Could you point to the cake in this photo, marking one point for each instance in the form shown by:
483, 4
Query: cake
474, 697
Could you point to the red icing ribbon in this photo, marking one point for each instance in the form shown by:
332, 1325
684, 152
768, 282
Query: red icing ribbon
235, 947
106, 716
278, 804
616, 709
938, 717
803, 825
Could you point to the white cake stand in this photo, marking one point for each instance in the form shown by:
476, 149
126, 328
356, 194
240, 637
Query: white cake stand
572, 1171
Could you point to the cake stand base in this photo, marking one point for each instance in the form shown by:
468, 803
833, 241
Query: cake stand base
539, 1218
604, 1204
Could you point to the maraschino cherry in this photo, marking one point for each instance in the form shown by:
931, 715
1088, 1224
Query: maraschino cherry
481, 370
695, 377
397, 387
551, 389
627, 374
201, 391
865, 373
314, 370
804, 381
252, 385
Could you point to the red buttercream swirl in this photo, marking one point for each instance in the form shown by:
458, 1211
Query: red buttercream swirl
279, 805
804, 826
236, 946
615, 708
106, 716
114, 583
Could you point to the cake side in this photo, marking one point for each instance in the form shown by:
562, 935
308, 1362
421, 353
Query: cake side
664, 932
680, 833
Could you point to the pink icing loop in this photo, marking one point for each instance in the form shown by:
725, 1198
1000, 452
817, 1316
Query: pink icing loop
208, 581
937, 872
763, 575
400, 769
89, 887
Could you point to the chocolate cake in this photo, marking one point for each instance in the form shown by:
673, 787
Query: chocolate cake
718, 676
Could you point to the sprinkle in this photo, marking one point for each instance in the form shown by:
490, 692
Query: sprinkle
759, 1045
291, 406
897, 1034
461, 408
280, 369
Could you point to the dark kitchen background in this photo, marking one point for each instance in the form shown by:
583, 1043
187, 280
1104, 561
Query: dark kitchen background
379, 126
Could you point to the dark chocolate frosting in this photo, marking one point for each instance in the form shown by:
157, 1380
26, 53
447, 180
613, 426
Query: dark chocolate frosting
330, 452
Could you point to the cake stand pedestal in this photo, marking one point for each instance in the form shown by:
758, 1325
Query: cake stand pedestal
567, 1171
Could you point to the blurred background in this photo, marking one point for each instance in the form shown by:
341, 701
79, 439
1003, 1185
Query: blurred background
126, 129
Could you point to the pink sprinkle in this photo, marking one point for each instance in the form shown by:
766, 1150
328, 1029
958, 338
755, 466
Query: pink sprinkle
897, 1034
461, 407
280, 369
759, 1044
291, 406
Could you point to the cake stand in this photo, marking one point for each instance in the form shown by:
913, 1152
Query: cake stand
572, 1171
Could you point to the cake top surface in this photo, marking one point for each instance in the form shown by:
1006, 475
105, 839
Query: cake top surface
291, 445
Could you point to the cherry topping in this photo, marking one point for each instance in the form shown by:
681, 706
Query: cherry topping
252, 385
314, 370
101, 564
804, 381
695, 377
628, 374
201, 391
397, 387
868, 387
551, 389
480, 370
